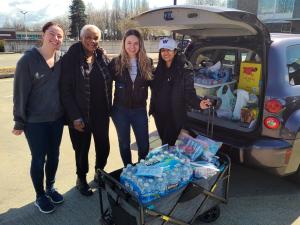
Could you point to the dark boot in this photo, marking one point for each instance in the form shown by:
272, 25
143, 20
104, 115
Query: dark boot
83, 187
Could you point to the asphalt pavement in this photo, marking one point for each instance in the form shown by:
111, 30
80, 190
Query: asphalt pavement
255, 198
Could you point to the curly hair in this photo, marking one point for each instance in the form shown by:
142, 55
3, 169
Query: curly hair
144, 63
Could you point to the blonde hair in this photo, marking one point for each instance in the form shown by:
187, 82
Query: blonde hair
144, 63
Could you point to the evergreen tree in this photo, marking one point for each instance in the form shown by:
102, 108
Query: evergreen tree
78, 17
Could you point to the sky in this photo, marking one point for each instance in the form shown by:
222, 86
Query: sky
39, 11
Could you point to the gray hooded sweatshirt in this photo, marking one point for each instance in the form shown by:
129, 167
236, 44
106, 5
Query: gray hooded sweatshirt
36, 90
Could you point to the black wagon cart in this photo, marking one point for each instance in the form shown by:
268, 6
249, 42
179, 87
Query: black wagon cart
198, 200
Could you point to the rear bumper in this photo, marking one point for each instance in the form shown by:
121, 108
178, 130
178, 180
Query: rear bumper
266, 153
275, 156
278, 156
264, 157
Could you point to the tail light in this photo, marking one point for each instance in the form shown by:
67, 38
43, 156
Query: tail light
273, 106
271, 122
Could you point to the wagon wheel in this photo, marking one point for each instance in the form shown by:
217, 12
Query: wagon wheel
210, 215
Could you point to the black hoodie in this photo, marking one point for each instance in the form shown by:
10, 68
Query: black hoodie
36, 90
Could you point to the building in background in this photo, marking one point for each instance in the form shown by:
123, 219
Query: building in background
278, 15
29, 35
12, 34
7, 33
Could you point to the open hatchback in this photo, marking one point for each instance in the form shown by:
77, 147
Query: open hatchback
231, 54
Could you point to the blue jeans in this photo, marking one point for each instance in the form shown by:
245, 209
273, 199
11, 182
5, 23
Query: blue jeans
44, 141
123, 118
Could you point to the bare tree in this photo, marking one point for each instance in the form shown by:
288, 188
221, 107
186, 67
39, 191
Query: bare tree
7, 23
13, 23
64, 21
93, 15
126, 24
35, 27
115, 20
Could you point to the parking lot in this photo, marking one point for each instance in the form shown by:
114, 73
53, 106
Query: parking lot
255, 198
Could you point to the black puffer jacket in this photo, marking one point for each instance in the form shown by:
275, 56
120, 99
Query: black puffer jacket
129, 94
183, 94
73, 89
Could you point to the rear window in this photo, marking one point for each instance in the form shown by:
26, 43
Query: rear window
293, 64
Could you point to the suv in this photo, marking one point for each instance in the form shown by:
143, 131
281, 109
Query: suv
255, 74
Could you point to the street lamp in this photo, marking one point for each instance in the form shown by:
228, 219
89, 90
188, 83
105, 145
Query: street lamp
174, 3
24, 14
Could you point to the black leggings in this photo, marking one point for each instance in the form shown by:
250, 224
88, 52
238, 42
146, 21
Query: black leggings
166, 128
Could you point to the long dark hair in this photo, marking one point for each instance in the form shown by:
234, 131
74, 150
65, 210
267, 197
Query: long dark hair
162, 63
144, 62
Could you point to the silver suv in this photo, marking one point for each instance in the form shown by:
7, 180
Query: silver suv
257, 76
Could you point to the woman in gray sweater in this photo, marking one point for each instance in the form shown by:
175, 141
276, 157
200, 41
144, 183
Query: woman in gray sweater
38, 112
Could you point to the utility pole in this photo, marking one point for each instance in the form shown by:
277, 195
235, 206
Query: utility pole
24, 14
174, 35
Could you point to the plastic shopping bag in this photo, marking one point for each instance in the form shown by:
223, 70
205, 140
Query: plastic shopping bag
228, 102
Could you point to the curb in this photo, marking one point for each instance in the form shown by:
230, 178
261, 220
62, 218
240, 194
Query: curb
5, 53
2, 76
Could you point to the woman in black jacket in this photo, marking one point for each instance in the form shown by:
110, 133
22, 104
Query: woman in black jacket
172, 92
86, 97
131, 71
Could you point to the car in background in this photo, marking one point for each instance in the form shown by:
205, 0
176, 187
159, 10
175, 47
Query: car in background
265, 67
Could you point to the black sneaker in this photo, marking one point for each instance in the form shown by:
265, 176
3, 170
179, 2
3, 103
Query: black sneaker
83, 187
44, 204
54, 196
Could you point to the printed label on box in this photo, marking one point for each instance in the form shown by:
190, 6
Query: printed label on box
250, 75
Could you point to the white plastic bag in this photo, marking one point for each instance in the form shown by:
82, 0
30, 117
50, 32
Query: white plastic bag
242, 99
228, 101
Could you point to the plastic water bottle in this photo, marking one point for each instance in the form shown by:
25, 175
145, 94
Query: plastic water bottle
160, 157
151, 184
166, 153
182, 161
186, 173
173, 181
171, 155
127, 168
144, 190
161, 186
140, 183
